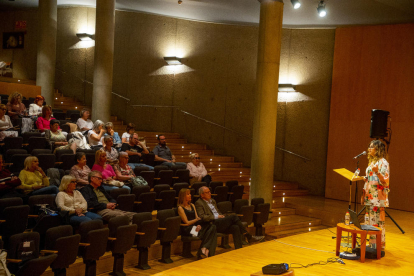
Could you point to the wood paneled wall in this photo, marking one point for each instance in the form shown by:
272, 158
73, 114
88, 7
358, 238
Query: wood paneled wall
373, 69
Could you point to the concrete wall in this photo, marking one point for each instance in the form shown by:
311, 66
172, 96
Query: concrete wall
216, 83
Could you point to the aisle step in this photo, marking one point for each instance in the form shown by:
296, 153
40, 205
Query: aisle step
279, 212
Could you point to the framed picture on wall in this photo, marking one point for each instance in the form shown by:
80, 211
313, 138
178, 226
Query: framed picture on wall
13, 40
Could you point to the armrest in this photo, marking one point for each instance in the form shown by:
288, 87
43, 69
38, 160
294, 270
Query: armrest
140, 233
42, 252
58, 163
183, 224
158, 199
111, 239
25, 145
137, 202
229, 193
257, 213
162, 229
157, 178
3, 220
239, 215
175, 177
15, 261
214, 194
33, 216
84, 244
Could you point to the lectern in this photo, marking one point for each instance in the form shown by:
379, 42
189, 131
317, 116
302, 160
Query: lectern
352, 178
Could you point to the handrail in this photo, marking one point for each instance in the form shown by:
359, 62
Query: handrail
195, 116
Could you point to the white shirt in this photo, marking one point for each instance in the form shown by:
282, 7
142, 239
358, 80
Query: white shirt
93, 142
70, 203
34, 109
84, 124
6, 124
126, 135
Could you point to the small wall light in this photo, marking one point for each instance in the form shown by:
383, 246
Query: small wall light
295, 3
85, 36
286, 87
173, 60
321, 9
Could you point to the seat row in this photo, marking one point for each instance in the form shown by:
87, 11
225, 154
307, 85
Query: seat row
93, 239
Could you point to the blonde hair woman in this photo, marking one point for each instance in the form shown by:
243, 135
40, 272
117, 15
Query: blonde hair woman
206, 232
15, 105
34, 180
71, 200
376, 188
108, 174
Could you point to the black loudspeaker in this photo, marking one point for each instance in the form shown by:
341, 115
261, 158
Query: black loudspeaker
379, 120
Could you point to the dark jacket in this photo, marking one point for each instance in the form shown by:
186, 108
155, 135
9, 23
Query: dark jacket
92, 199
204, 212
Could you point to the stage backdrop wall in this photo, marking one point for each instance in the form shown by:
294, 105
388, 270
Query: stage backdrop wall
373, 69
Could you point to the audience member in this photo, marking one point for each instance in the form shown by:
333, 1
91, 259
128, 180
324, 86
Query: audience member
206, 231
95, 135
130, 129
35, 109
163, 153
135, 148
15, 106
197, 170
43, 122
80, 171
9, 182
34, 180
99, 201
207, 210
123, 170
109, 127
71, 200
56, 138
5, 124
83, 122
107, 172
111, 153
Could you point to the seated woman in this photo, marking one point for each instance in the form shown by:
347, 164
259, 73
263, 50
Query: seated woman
5, 124
197, 170
71, 200
123, 170
43, 122
56, 138
130, 129
83, 122
95, 135
80, 171
108, 175
15, 106
35, 109
34, 180
111, 153
109, 127
206, 232
9, 183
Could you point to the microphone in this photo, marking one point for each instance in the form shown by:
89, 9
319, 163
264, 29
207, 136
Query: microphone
359, 155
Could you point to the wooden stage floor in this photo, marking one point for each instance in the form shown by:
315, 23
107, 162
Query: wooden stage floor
307, 248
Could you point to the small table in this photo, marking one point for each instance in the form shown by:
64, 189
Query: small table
355, 231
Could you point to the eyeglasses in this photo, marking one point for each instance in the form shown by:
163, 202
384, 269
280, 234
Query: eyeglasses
99, 178
198, 158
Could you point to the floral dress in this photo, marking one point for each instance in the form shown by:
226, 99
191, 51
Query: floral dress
376, 196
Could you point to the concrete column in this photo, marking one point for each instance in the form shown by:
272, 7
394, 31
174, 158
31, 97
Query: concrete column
104, 57
265, 108
46, 51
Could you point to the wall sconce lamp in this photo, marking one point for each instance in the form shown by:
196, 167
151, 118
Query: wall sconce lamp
85, 36
286, 87
173, 60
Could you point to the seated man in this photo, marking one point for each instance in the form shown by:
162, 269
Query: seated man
163, 153
207, 210
135, 148
99, 200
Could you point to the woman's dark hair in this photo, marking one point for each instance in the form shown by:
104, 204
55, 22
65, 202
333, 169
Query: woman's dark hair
130, 126
54, 121
79, 155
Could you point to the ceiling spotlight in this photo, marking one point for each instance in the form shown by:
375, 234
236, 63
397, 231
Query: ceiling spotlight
321, 9
295, 3
180, 2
